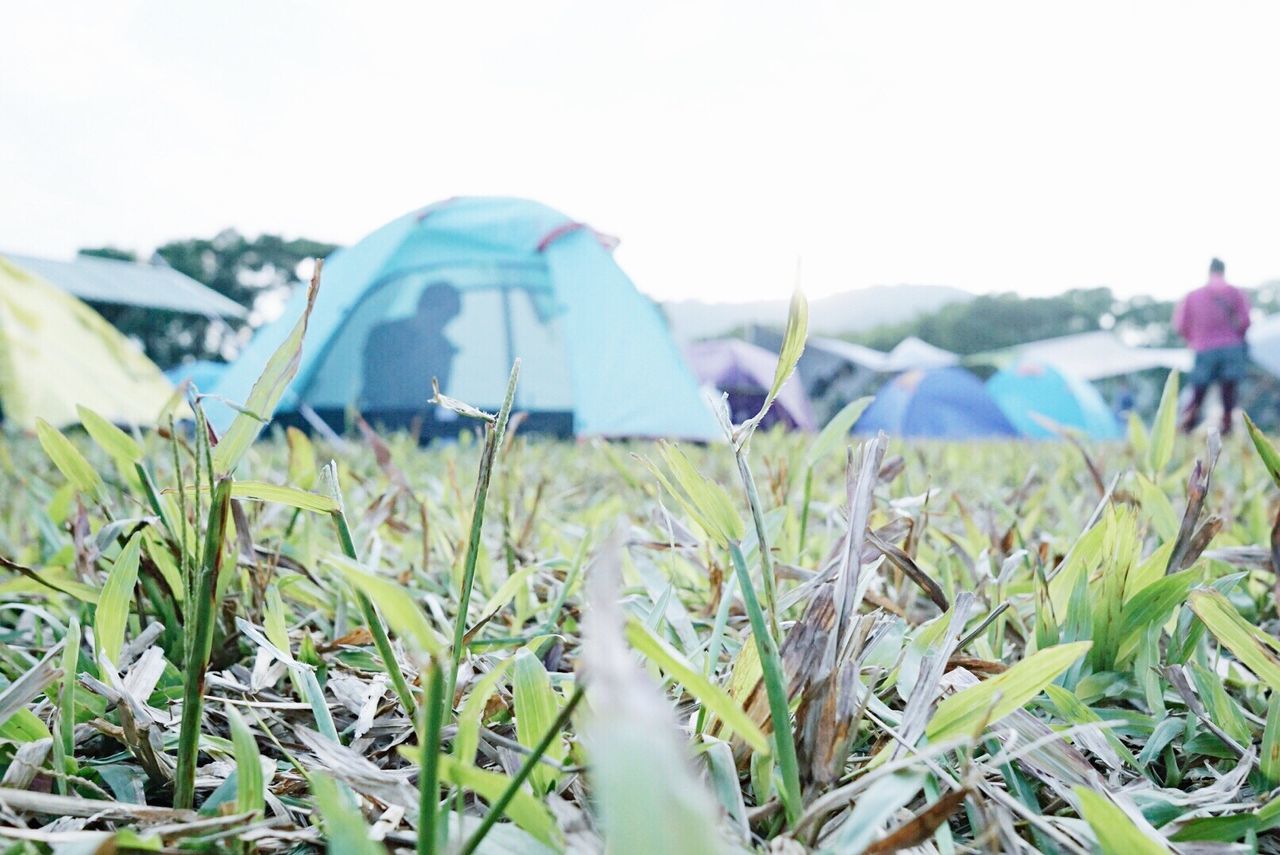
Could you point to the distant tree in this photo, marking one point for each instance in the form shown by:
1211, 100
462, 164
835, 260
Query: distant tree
241, 268
246, 270
993, 321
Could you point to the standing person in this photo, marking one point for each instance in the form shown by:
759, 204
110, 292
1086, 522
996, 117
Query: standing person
1213, 319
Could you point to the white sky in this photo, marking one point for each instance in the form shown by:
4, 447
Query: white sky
986, 145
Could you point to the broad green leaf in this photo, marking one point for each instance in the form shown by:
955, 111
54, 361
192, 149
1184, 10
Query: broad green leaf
301, 499
1149, 571
536, 707
249, 783
525, 810
836, 431
275, 622
344, 828
1251, 646
727, 710
745, 672
1139, 441
1267, 451
109, 438
1084, 557
467, 740
302, 459
1152, 606
401, 612
261, 491
1116, 833
266, 393
509, 587
112, 613
1004, 693
1164, 519
793, 340
1164, 429
1227, 828
24, 726
68, 459
1223, 711
1269, 755
158, 552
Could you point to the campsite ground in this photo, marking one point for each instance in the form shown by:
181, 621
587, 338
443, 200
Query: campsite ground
1044, 634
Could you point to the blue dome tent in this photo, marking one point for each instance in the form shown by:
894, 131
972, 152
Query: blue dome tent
1032, 391
457, 291
942, 403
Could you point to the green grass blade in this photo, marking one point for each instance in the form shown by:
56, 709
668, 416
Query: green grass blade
260, 491
836, 432
202, 611
1164, 428
276, 376
429, 774
1266, 451
536, 707
401, 612
249, 784
1116, 832
993, 699
492, 439
112, 612
110, 438
471, 716
68, 459
711, 696
371, 617
344, 828
775, 690
64, 744
1269, 755
500, 806
1250, 645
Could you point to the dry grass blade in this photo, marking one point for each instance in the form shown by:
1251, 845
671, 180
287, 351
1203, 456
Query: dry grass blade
904, 562
47, 804
920, 827
30, 685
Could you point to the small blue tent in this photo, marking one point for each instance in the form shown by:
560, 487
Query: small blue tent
203, 373
943, 403
1032, 391
457, 291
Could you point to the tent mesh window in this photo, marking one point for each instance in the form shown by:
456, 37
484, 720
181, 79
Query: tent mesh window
461, 325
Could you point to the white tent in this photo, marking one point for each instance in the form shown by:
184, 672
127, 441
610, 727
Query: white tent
910, 354
1097, 355
1264, 343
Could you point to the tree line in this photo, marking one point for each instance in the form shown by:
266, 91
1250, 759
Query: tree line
247, 270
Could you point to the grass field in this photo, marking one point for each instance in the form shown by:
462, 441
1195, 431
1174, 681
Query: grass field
507, 644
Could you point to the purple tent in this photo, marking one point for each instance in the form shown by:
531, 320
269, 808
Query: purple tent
745, 372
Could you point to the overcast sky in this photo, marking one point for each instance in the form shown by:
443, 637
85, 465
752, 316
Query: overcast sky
985, 145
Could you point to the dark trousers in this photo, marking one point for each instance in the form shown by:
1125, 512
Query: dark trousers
1191, 417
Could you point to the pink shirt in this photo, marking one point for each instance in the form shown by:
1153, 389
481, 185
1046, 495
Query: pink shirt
1214, 315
